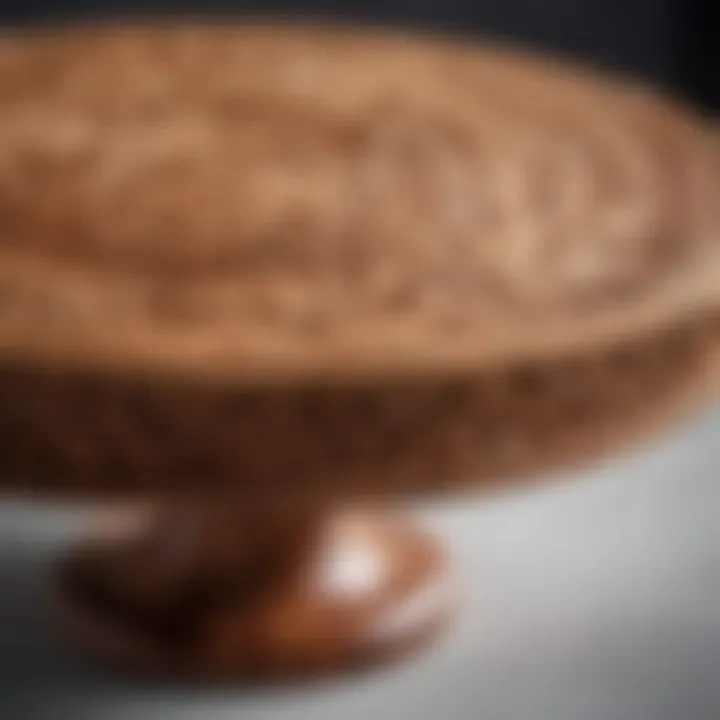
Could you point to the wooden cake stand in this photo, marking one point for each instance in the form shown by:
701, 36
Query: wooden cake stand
261, 282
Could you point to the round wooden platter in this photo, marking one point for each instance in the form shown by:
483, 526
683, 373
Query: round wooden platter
256, 273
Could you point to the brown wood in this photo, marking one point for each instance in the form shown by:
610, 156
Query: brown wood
220, 594
260, 265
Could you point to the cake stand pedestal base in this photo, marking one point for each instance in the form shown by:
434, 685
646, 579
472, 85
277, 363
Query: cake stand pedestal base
210, 592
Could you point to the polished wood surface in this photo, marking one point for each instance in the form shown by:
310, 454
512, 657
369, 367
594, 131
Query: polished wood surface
208, 593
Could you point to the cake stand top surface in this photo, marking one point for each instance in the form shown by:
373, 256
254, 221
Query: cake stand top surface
261, 203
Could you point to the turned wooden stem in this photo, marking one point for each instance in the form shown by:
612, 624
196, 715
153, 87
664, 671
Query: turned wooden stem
218, 590
183, 557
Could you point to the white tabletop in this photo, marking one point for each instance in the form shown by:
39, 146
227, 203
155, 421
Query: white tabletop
594, 597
